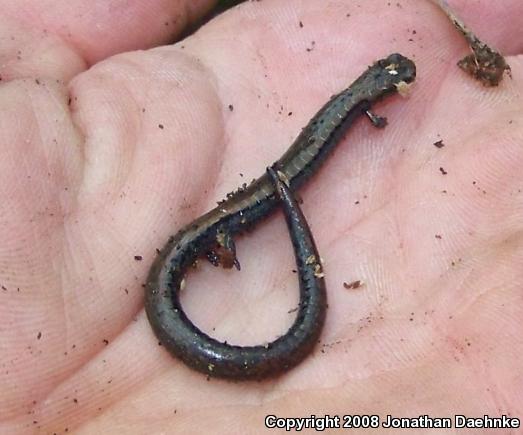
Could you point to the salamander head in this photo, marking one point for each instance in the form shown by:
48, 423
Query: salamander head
399, 68
387, 75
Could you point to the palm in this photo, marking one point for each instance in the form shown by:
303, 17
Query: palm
149, 142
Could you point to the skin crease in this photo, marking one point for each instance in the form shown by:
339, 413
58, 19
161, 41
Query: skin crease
148, 143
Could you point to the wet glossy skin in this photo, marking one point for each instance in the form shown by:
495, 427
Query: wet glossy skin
240, 212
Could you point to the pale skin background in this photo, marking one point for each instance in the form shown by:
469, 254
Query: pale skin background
86, 186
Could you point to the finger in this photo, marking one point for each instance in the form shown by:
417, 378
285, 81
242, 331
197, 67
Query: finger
61, 38
496, 23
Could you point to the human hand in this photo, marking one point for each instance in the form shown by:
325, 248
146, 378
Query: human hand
101, 166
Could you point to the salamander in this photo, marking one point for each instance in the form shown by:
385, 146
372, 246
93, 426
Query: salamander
212, 234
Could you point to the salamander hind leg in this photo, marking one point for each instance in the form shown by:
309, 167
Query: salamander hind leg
224, 252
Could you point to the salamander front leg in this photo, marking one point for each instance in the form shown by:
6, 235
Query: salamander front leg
377, 121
